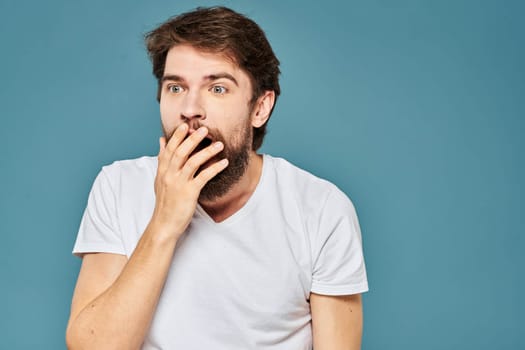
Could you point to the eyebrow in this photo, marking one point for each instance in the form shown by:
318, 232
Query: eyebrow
224, 75
211, 77
171, 77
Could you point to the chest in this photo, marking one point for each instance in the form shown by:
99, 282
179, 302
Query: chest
251, 279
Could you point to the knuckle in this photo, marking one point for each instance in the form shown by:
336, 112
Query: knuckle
171, 148
200, 181
192, 163
207, 174
168, 179
179, 153
165, 181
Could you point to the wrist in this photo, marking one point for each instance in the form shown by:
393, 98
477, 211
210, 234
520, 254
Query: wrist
162, 232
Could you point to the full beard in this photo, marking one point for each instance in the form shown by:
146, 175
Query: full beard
238, 156
237, 151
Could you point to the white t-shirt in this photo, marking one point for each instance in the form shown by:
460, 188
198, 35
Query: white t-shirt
243, 283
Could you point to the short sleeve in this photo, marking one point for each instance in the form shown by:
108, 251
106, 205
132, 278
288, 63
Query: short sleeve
99, 229
338, 261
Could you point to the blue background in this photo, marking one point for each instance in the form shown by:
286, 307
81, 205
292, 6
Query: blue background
414, 108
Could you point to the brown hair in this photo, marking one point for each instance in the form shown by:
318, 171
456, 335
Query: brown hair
220, 30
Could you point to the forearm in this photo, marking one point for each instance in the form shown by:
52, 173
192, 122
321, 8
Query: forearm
120, 316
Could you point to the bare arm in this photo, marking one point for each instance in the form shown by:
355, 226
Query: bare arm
115, 298
112, 309
337, 321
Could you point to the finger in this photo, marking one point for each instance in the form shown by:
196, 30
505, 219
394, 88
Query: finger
208, 173
184, 150
200, 158
162, 144
177, 138
162, 164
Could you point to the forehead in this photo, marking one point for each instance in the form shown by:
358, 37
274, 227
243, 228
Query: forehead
193, 64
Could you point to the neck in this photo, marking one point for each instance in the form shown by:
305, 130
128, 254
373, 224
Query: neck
225, 206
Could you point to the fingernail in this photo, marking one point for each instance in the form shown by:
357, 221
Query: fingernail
202, 130
218, 145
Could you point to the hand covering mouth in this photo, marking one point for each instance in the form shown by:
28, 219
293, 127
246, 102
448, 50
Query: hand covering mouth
203, 144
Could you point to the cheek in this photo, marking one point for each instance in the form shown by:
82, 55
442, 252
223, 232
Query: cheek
231, 113
168, 114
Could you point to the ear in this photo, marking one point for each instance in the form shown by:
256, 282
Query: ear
262, 109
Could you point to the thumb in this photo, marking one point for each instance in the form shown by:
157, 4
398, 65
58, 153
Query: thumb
162, 143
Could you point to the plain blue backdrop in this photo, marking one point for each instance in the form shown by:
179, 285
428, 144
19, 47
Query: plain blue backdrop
414, 108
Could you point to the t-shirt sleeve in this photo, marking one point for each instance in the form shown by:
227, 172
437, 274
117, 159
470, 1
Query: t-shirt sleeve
338, 261
99, 229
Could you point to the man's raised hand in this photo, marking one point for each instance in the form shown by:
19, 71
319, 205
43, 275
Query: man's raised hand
177, 184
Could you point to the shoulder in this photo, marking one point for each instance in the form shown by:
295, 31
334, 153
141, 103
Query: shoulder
304, 182
130, 169
126, 166
127, 177
312, 193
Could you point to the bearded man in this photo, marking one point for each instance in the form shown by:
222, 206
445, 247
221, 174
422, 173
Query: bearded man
211, 245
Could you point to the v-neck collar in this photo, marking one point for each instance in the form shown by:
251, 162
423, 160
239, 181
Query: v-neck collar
247, 207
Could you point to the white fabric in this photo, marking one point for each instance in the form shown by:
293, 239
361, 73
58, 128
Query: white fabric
243, 283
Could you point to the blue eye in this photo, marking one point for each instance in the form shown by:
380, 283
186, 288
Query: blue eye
175, 89
217, 89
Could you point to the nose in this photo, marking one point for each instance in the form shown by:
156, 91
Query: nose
191, 108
